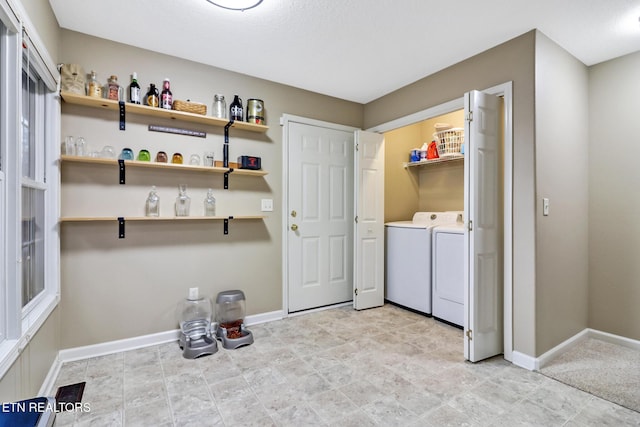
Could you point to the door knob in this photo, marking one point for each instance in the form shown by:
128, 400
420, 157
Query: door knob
294, 227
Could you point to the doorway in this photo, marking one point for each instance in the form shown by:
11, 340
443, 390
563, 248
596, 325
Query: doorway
319, 212
333, 236
505, 92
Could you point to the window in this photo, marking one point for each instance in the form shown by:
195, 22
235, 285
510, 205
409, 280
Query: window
33, 183
29, 183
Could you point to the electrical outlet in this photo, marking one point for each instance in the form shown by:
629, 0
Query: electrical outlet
267, 205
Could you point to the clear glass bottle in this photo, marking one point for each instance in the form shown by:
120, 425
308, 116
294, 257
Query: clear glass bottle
112, 89
152, 207
183, 202
94, 88
219, 106
81, 146
210, 204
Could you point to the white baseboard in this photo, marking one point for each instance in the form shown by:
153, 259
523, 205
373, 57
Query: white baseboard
256, 319
556, 351
615, 339
523, 360
85, 352
537, 363
47, 385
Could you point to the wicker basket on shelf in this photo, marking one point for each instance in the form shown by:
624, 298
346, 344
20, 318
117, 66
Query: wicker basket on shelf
449, 142
190, 107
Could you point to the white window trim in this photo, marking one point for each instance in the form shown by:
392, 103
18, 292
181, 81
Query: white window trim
21, 326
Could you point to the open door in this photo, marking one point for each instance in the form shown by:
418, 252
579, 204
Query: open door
483, 271
368, 283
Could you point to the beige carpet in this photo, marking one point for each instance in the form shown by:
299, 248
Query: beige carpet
606, 370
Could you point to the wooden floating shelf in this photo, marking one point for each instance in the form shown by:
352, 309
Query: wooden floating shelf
166, 218
144, 110
171, 166
433, 161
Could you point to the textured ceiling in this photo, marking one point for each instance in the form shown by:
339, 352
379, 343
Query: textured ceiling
357, 50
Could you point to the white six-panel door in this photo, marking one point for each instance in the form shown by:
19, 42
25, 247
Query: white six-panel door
483, 269
369, 238
320, 216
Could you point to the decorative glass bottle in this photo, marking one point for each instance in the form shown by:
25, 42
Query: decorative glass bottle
183, 202
152, 207
112, 89
166, 97
219, 106
94, 88
210, 204
134, 90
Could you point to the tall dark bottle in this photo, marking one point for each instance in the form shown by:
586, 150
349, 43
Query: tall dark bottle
235, 110
134, 90
166, 98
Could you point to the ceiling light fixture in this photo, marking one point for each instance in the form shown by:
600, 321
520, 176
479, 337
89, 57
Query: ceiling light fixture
241, 5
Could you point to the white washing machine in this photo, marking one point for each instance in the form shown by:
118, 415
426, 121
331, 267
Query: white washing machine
447, 280
408, 253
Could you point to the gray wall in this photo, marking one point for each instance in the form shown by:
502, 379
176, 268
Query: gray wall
614, 204
561, 155
120, 288
510, 61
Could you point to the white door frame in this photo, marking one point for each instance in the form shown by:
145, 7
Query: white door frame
284, 121
505, 90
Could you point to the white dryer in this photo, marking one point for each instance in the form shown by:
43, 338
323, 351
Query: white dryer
448, 273
408, 255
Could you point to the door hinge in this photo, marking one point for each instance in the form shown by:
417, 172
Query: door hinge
470, 225
469, 334
355, 291
357, 147
356, 219
469, 116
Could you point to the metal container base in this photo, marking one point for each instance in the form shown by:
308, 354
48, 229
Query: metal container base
206, 345
233, 343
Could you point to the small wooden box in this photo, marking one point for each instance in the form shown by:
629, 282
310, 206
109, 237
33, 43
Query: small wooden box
232, 165
189, 107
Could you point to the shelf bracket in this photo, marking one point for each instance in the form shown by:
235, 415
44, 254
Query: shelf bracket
225, 146
226, 178
122, 115
122, 171
121, 227
226, 224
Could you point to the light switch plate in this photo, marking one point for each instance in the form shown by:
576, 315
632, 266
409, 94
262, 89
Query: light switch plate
267, 205
545, 206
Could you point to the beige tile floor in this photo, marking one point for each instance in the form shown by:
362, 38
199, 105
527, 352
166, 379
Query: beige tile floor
339, 367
